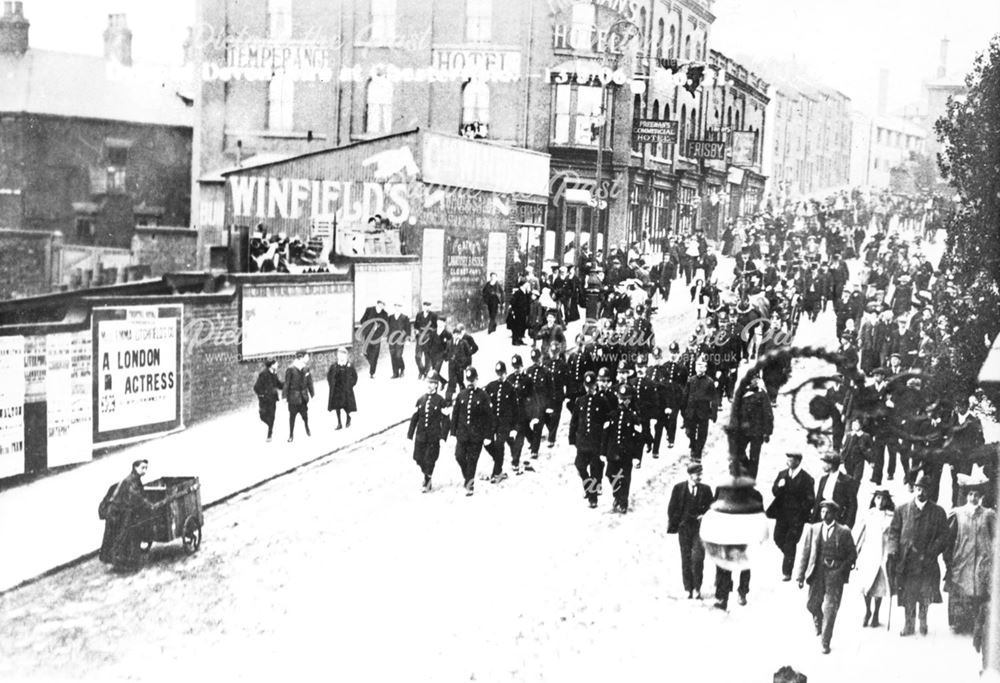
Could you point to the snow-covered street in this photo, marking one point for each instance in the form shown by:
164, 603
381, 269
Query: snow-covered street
345, 567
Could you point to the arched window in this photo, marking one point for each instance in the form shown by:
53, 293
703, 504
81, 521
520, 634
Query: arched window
694, 123
636, 115
729, 117
682, 124
737, 120
687, 48
378, 110
475, 103
659, 38
665, 147
654, 148
642, 29
697, 51
672, 47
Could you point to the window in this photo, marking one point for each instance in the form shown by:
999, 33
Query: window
378, 114
673, 42
687, 48
475, 105
693, 133
279, 19
588, 108
729, 117
383, 22
560, 135
636, 115
659, 38
117, 161
280, 98
654, 148
84, 230
737, 120
642, 30
666, 148
478, 14
683, 128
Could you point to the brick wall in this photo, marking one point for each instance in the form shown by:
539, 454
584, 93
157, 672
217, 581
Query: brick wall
26, 259
165, 250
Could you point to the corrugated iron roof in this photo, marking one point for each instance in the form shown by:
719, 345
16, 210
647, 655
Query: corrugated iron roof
84, 86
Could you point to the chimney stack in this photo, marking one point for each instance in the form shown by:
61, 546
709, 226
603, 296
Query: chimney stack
118, 40
943, 58
13, 29
883, 91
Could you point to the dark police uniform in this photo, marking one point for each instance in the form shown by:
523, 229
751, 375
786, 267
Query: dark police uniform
672, 377
428, 428
523, 388
559, 380
586, 429
471, 423
503, 405
540, 401
622, 442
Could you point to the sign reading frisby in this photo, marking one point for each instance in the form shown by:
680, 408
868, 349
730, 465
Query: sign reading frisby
137, 371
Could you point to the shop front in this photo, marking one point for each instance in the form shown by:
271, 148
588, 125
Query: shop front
461, 208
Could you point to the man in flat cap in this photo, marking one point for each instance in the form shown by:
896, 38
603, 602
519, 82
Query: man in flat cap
826, 555
791, 509
425, 328
917, 536
689, 501
836, 486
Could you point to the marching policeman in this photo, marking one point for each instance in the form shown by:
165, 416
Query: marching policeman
428, 428
559, 377
540, 403
701, 404
579, 363
523, 388
623, 440
648, 403
605, 389
586, 428
672, 377
503, 406
472, 425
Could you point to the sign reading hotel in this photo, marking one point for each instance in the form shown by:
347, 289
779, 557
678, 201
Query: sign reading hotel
136, 371
652, 130
705, 149
470, 61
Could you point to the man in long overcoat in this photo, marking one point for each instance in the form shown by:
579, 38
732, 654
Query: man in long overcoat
518, 313
689, 501
298, 390
917, 536
267, 387
791, 508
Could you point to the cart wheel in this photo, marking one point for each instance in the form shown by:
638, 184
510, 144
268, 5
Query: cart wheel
192, 535
145, 546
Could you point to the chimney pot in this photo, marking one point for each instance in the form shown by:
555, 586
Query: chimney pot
13, 28
118, 40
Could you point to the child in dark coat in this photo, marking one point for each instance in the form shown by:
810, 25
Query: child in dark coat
341, 379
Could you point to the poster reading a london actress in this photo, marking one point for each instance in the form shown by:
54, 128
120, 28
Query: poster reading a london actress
11, 406
137, 371
69, 389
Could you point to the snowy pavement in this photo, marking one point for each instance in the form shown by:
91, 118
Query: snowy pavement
344, 571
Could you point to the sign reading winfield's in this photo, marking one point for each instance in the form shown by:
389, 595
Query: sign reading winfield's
705, 149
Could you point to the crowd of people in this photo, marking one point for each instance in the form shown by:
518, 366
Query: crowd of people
867, 260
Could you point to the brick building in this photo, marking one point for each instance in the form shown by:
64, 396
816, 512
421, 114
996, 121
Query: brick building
90, 147
554, 77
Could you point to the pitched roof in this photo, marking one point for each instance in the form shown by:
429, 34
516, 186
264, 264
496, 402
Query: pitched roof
83, 86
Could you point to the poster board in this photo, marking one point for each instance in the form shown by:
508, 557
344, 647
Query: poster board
465, 264
69, 391
11, 406
137, 371
280, 319
432, 268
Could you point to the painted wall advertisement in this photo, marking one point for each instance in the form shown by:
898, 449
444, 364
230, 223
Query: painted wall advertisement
69, 391
11, 406
136, 371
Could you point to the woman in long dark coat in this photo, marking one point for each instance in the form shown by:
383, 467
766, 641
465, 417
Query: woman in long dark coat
127, 509
341, 379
